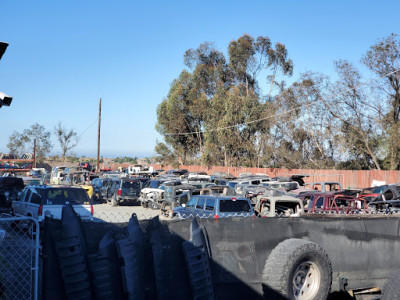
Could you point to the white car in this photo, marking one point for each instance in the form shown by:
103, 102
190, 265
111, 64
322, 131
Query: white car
40, 201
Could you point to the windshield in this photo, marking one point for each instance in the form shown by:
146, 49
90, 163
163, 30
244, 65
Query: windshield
153, 184
230, 205
192, 203
378, 189
232, 184
63, 196
168, 193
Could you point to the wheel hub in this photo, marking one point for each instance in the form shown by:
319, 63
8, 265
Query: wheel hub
306, 281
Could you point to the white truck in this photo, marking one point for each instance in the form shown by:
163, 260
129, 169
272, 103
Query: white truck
140, 170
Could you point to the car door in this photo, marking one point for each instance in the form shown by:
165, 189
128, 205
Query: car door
35, 201
18, 205
199, 211
105, 187
319, 204
24, 205
115, 185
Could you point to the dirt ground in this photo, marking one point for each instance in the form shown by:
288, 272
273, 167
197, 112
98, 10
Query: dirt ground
122, 213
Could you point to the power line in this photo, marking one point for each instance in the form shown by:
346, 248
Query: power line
91, 125
283, 113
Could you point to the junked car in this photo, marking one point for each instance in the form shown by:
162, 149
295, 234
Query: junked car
331, 202
274, 204
217, 190
40, 201
256, 180
125, 190
324, 186
152, 193
388, 201
214, 207
175, 195
286, 185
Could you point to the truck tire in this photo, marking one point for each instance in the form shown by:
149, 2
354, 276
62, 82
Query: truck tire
114, 201
154, 205
297, 269
391, 289
166, 209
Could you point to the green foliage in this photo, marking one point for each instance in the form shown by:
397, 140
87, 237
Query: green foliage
216, 111
23, 142
218, 92
125, 159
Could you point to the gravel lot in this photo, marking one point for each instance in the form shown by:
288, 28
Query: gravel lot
122, 213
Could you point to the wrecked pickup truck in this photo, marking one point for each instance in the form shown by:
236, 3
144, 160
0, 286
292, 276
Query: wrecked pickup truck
331, 202
274, 203
228, 258
175, 195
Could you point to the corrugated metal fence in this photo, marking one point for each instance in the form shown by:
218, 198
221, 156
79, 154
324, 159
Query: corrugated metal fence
348, 178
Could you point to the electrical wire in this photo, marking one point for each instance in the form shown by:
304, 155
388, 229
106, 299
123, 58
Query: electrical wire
90, 126
283, 113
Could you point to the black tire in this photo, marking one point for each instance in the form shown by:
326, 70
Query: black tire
391, 289
144, 204
166, 209
154, 205
297, 268
114, 201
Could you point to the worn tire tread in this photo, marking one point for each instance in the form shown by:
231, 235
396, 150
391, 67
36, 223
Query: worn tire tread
280, 263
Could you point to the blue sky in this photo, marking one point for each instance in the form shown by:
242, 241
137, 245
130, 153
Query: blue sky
65, 55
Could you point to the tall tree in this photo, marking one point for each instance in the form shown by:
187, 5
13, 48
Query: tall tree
23, 142
68, 138
211, 110
175, 120
383, 59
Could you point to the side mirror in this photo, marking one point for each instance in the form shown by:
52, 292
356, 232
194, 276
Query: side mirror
5, 100
3, 47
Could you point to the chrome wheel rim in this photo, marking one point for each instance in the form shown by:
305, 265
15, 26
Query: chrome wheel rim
306, 281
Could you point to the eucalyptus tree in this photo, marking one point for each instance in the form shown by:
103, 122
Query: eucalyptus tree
383, 60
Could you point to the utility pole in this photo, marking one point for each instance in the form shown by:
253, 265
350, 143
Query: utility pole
34, 154
98, 141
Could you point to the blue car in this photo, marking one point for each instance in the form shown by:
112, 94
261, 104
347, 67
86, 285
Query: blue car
214, 207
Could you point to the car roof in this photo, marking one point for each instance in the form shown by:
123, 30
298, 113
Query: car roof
53, 187
221, 197
323, 182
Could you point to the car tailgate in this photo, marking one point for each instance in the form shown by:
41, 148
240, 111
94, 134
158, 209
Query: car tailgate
55, 211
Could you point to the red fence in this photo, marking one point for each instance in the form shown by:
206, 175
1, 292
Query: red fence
347, 178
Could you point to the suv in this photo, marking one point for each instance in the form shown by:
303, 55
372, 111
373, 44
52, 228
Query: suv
124, 190
214, 207
42, 200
